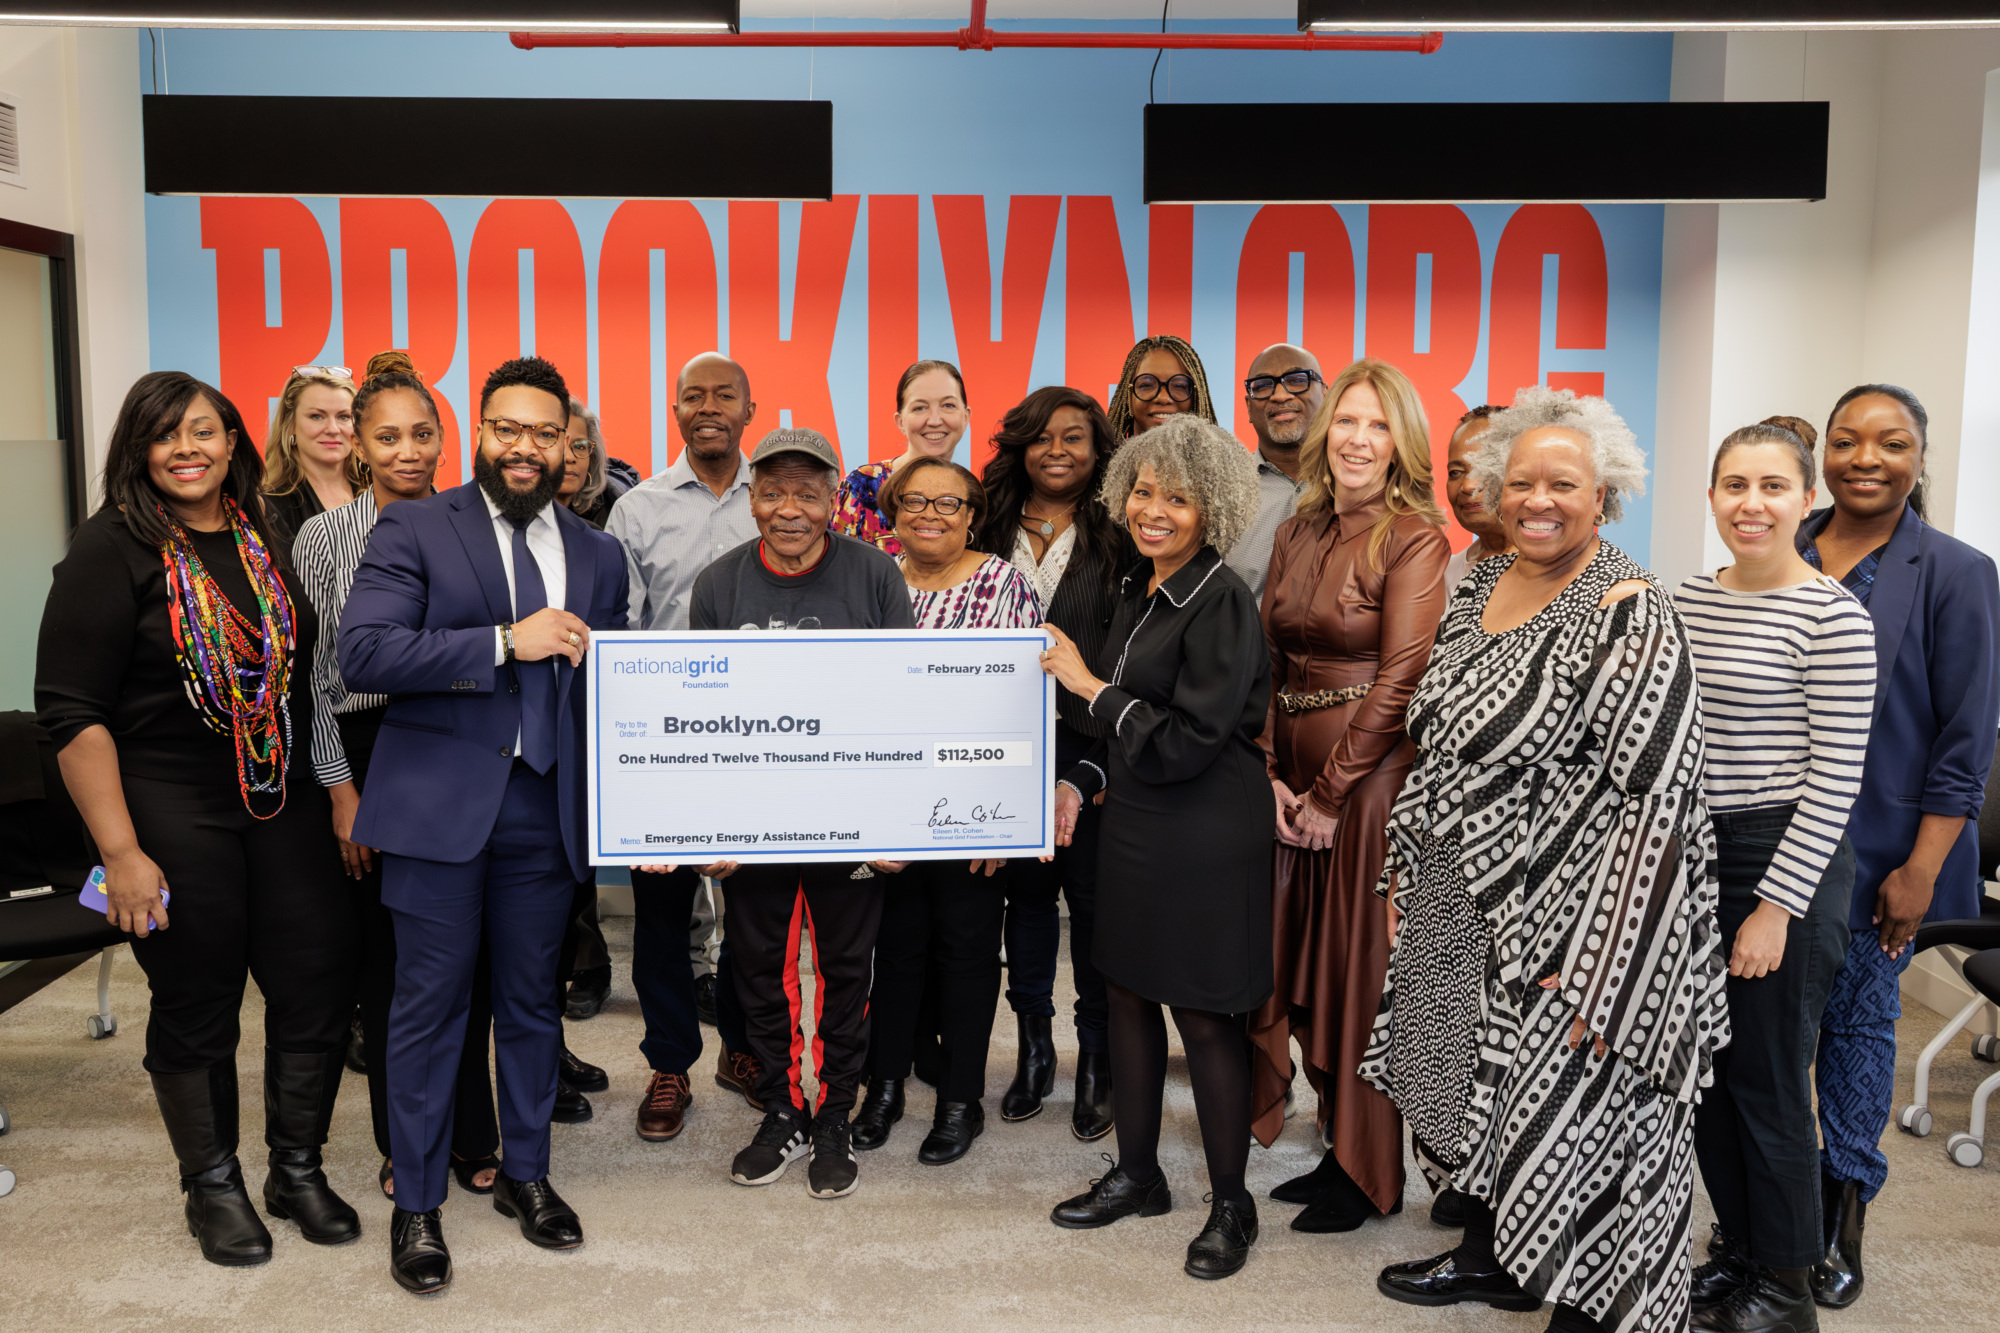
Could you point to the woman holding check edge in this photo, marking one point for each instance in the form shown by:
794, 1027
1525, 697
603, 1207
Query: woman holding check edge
1186, 920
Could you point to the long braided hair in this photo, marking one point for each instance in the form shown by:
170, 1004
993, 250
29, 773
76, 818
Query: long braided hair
1120, 412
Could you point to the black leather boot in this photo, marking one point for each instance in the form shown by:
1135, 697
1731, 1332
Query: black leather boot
299, 1091
1034, 1069
1091, 1116
1836, 1279
1448, 1209
199, 1109
881, 1106
953, 1128
1223, 1246
1771, 1301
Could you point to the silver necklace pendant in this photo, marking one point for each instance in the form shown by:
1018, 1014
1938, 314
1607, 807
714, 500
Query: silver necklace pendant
1048, 527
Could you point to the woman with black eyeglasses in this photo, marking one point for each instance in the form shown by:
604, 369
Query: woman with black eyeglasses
941, 915
1162, 378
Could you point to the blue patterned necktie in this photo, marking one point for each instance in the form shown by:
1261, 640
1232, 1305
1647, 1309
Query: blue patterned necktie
538, 681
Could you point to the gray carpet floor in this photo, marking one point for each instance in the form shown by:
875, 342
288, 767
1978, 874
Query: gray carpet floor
93, 1236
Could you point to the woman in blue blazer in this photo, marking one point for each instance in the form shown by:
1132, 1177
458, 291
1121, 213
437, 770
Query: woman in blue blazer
1936, 606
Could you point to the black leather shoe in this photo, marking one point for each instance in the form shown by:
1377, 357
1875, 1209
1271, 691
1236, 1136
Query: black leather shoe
545, 1219
1448, 1209
299, 1092
953, 1129
1091, 1116
1770, 1302
1836, 1279
571, 1107
1112, 1196
1223, 1246
881, 1106
580, 1074
704, 998
356, 1054
418, 1259
1727, 1269
1440, 1281
588, 994
1034, 1069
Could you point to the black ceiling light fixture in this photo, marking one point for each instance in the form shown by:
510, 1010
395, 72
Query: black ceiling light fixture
554, 147
1638, 15
692, 16
1492, 152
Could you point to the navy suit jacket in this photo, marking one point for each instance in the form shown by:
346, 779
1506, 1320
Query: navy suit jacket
418, 627
1936, 607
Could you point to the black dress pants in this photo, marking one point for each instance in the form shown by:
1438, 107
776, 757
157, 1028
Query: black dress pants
1754, 1132
262, 898
942, 919
475, 1128
663, 974
1034, 925
772, 908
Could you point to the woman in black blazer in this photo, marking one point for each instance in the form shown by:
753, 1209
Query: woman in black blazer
1184, 868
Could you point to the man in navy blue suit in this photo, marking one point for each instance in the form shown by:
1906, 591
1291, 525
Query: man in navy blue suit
472, 610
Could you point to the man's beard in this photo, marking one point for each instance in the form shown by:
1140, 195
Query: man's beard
517, 507
1295, 429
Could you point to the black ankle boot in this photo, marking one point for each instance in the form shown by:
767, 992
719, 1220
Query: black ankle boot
1308, 1187
1771, 1301
953, 1129
1091, 1117
1728, 1268
1836, 1279
299, 1092
1341, 1206
199, 1109
1034, 1069
881, 1106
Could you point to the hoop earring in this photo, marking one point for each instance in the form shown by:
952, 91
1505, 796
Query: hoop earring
1600, 518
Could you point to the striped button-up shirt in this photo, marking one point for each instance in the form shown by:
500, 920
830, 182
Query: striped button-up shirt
325, 554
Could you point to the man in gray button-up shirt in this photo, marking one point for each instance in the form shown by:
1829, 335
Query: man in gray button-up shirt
674, 525
1280, 413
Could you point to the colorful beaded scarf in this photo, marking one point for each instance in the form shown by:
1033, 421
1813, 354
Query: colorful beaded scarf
236, 672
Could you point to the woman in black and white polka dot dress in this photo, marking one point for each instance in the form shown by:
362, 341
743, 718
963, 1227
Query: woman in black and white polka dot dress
1555, 995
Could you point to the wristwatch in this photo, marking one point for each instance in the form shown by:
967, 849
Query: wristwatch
507, 643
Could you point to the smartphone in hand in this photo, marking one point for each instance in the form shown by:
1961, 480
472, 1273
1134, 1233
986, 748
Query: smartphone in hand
93, 897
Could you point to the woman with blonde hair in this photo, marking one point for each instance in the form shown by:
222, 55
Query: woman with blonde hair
1355, 591
310, 462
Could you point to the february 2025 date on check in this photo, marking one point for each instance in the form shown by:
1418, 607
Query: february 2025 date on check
842, 745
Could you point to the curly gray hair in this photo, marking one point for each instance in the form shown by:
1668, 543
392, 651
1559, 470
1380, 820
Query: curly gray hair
1202, 461
1615, 457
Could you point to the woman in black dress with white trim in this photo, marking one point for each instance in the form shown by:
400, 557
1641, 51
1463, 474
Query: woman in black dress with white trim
1184, 886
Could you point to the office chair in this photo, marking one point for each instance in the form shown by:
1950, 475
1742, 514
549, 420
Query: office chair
45, 856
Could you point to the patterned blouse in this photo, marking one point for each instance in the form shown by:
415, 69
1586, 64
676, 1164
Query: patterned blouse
854, 511
997, 596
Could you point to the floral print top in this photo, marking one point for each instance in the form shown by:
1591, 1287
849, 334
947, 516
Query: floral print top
854, 511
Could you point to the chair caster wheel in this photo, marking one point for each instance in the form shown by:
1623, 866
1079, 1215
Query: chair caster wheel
1965, 1150
1986, 1048
1915, 1120
6, 1182
5, 1123
99, 1027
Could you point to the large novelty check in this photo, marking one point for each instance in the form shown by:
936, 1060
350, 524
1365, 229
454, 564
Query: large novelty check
841, 745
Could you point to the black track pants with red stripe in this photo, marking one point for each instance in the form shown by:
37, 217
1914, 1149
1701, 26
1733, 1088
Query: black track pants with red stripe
771, 908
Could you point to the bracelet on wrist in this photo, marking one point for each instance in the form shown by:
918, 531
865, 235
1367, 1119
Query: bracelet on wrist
507, 643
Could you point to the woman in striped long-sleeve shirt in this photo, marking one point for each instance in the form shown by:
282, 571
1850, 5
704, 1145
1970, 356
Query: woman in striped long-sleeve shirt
1785, 659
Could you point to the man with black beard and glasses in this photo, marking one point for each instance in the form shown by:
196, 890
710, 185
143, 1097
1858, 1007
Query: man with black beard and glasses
472, 611
1281, 395
672, 527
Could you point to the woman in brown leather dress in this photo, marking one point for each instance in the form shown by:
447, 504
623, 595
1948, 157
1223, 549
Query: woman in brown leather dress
1353, 599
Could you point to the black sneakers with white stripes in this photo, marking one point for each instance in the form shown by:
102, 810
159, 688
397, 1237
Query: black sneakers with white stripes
834, 1170
780, 1141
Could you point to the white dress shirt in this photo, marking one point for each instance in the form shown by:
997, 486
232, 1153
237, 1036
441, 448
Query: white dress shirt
545, 547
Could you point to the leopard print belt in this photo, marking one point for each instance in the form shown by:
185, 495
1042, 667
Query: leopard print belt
1306, 703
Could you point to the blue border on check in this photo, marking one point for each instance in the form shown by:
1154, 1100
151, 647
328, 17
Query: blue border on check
928, 851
